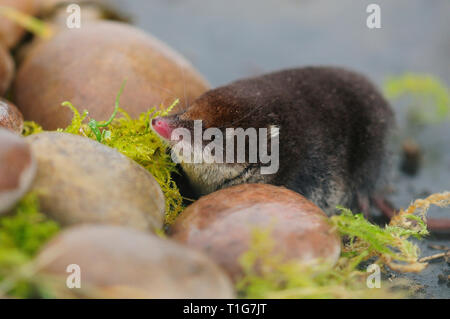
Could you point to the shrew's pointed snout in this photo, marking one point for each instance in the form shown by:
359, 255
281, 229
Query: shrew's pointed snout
162, 126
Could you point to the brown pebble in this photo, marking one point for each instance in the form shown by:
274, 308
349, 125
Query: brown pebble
120, 262
10, 117
6, 70
442, 278
10, 31
106, 53
411, 157
17, 169
84, 182
221, 225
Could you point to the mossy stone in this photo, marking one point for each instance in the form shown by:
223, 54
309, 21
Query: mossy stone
119, 262
82, 181
221, 225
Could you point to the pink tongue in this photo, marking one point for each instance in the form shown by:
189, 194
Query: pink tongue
162, 128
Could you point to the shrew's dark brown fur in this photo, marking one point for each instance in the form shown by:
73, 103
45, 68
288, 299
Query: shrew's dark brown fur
333, 127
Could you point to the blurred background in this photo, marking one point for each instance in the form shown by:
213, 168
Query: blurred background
230, 39
227, 40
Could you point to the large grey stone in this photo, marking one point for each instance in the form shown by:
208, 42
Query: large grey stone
82, 181
119, 262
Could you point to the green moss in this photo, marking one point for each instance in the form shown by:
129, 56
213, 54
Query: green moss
22, 234
26, 230
427, 97
30, 128
266, 275
389, 243
135, 139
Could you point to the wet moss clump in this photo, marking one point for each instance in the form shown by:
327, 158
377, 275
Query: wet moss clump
267, 276
26, 229
135, 139
22, 234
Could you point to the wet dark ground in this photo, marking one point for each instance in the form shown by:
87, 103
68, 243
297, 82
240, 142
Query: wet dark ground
230, 39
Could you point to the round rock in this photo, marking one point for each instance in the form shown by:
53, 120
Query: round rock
10, 31
119, 262
82, 181
10, 117
17, 169
6, 70
87, 67
221, 224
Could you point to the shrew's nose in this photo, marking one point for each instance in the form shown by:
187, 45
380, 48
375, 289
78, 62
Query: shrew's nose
162, 127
